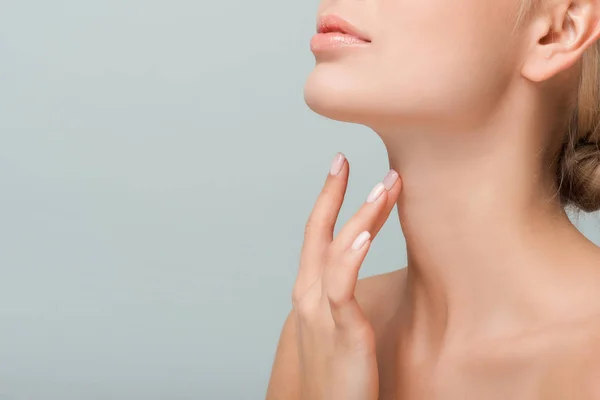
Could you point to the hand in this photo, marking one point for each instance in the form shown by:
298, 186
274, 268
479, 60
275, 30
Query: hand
336, 342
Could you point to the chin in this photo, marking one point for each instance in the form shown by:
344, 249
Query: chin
342, 93
339, 94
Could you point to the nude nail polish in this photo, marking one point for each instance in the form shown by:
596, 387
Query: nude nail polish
337, 164
376, 192
390, 179
360, 240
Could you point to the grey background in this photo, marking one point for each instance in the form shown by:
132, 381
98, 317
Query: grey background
157, 166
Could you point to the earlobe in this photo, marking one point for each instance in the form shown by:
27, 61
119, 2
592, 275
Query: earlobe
561, 37
542, 54
548, 63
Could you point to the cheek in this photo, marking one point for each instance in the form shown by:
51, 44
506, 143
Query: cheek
448, 74
447, 62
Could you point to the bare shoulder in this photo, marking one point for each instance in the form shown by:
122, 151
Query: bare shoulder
373, 287
572, 370
586, 360
370, 293
561, 361
379, 296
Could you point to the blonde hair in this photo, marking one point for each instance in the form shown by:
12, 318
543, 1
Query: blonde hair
578, 176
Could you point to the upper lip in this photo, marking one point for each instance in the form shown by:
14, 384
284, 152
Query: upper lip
335, 23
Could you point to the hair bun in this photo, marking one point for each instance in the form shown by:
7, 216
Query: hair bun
581, 175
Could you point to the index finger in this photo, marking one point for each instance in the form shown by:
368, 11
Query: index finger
318, 232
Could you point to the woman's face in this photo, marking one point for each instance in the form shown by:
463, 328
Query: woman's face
432, 61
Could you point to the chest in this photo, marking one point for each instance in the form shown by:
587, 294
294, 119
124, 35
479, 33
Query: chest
548, 376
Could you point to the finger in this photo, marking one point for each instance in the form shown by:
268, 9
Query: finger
371, 216
345, 310
394, 186
320, 226
348, 316
340, 275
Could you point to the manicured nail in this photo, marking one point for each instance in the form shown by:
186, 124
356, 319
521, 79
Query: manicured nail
337, 164
390, 179
376, 192
360, 240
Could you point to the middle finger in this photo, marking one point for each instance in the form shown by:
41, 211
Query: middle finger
372, 214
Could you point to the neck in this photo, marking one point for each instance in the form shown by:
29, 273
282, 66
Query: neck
488, 242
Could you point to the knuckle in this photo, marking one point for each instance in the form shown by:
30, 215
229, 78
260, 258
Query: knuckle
311, 226
316, 220
305, 310
296, 297
302, 305
338, 300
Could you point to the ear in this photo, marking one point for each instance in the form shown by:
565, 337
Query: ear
561, 34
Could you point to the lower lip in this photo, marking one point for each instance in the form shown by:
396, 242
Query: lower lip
335, 40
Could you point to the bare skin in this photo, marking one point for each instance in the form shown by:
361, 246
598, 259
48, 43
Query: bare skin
500, 298
350, 340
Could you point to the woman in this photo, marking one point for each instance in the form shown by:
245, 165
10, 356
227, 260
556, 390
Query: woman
489, 112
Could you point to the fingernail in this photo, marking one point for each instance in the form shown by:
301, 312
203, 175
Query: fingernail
390, 179
376, 192
337, 163
360, 240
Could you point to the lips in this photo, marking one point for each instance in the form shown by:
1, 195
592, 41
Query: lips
334, 23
